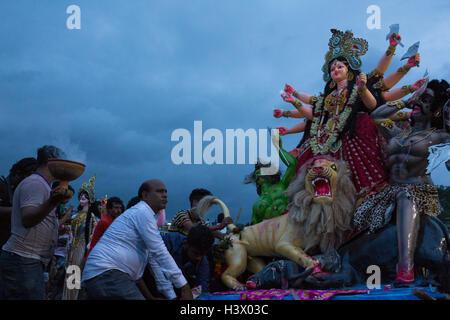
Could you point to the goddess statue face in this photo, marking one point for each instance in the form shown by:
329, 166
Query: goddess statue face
338, 71
84, 201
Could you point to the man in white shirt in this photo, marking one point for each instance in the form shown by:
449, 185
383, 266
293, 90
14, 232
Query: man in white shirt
116, 264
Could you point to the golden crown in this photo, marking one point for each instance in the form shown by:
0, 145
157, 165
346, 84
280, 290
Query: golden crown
88, 187
342, 44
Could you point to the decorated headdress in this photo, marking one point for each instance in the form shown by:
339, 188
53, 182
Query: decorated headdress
88, 187
344, 45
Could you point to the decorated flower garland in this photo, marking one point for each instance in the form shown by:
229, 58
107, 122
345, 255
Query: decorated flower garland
323, 149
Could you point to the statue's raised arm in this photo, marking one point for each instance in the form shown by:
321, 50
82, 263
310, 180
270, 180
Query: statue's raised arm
396, 76
288, 96
386, 59
383, 117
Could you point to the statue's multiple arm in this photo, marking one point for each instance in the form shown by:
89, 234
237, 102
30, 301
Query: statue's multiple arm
300, 127
383, 115
366, 96
396, 76
399, 93
303, 97
303, 111
390, 81
386, 59
278, 113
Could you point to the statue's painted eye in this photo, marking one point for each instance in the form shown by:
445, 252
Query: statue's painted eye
333, 166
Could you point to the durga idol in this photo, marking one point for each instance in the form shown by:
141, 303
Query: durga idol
339, 123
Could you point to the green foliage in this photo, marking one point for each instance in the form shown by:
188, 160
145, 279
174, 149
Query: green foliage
444, 200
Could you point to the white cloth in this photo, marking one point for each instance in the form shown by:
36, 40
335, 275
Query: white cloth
224, 230
439, 154
132, 241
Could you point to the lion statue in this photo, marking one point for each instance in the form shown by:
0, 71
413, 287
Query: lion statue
323, 199
320, 215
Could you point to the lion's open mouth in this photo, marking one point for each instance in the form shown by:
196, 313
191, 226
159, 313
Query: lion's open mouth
322, 187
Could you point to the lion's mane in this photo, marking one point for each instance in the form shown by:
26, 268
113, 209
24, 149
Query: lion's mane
322, 226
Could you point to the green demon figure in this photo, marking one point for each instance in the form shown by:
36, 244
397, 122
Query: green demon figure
272, 202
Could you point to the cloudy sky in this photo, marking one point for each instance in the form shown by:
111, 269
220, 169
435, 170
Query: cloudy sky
112, 93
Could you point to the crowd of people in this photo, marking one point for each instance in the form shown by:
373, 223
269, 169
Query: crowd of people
121, 253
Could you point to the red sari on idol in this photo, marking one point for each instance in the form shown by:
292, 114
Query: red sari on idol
361, 150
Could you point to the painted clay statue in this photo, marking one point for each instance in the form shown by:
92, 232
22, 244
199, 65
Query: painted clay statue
318, 220
272, 201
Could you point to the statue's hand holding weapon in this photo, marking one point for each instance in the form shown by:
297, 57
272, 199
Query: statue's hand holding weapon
414, 60
394, 36
419, 83
411, 52
394, 39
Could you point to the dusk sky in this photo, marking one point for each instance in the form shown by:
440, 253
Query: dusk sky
111, 93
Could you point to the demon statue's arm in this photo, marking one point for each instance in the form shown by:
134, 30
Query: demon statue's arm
383, 115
